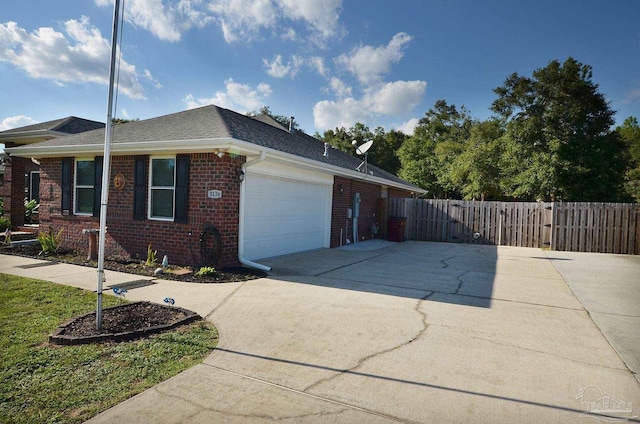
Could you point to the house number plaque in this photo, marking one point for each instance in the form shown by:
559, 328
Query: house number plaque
214, 194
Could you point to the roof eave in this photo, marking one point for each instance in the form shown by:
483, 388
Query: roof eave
30, 137
132, 148
228, 144
295, 160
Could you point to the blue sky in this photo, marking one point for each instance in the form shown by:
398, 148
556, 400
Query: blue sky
329, 63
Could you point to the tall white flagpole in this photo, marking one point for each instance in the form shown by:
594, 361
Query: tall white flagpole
104, 195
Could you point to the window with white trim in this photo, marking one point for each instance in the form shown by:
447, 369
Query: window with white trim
84, 186
162, 188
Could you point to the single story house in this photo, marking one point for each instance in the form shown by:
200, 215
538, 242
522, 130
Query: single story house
21, 176
209, 186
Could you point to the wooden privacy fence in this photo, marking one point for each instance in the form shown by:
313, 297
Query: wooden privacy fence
579, 227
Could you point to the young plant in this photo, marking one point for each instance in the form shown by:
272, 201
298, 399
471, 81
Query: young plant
30, 208
49, 241
4, 223
205, 270
152, 258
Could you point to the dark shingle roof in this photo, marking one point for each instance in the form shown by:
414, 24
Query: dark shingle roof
212, 122
69, 125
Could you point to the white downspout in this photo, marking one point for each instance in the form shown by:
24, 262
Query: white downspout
241, 257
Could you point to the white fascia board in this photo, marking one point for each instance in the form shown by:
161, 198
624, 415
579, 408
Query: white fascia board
228, 144
128, 148
305, 163
28, 137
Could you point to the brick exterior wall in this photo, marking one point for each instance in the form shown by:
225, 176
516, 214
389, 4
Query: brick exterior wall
370, 212
343, 192
400, 194
13, 190
128, 238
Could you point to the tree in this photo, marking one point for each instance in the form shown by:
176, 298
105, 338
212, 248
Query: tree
558, 142
340, 139
118, 121
629, 133
384, 152
427, 156
281, 119
477, 171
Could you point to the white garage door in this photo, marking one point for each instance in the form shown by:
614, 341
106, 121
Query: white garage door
284, 216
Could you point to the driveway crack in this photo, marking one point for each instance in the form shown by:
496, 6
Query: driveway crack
225, 300
348, 265
460, 281
363, 360
444, 262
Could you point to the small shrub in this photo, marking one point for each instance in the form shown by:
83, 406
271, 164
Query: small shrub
30, 208
50, 241
205, 271
4, 223
152, 257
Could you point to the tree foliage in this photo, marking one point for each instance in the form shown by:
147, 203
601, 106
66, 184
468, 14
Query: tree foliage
558, 139
285, 121
383, 151
477, 170
629, 133
550, 138
428, 156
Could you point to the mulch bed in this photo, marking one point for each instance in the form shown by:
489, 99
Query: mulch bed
225, 275
122, 322
134, 320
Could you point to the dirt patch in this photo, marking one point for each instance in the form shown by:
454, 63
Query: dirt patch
122, 322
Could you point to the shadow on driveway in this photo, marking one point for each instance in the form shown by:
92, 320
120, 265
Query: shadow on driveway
415, 270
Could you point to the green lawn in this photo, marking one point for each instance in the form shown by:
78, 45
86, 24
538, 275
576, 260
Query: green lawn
42, 383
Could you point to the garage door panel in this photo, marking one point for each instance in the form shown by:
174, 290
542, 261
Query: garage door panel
285, 216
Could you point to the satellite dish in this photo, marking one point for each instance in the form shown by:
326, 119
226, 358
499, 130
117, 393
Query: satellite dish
364, 148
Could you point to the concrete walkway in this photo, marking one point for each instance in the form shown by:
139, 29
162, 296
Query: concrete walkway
412, 332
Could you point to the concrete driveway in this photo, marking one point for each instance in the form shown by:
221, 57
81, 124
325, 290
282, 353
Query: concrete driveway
413, 332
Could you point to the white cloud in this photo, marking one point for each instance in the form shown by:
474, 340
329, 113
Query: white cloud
395, 98
390, 99
244, 19
239, 20
633, 96
166, 20
277, 69
148, 76
322, 15
318, 64
329, 114
82, 57
369, 64
290, 34
16, 122
409, 126
239, 97
339, 88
